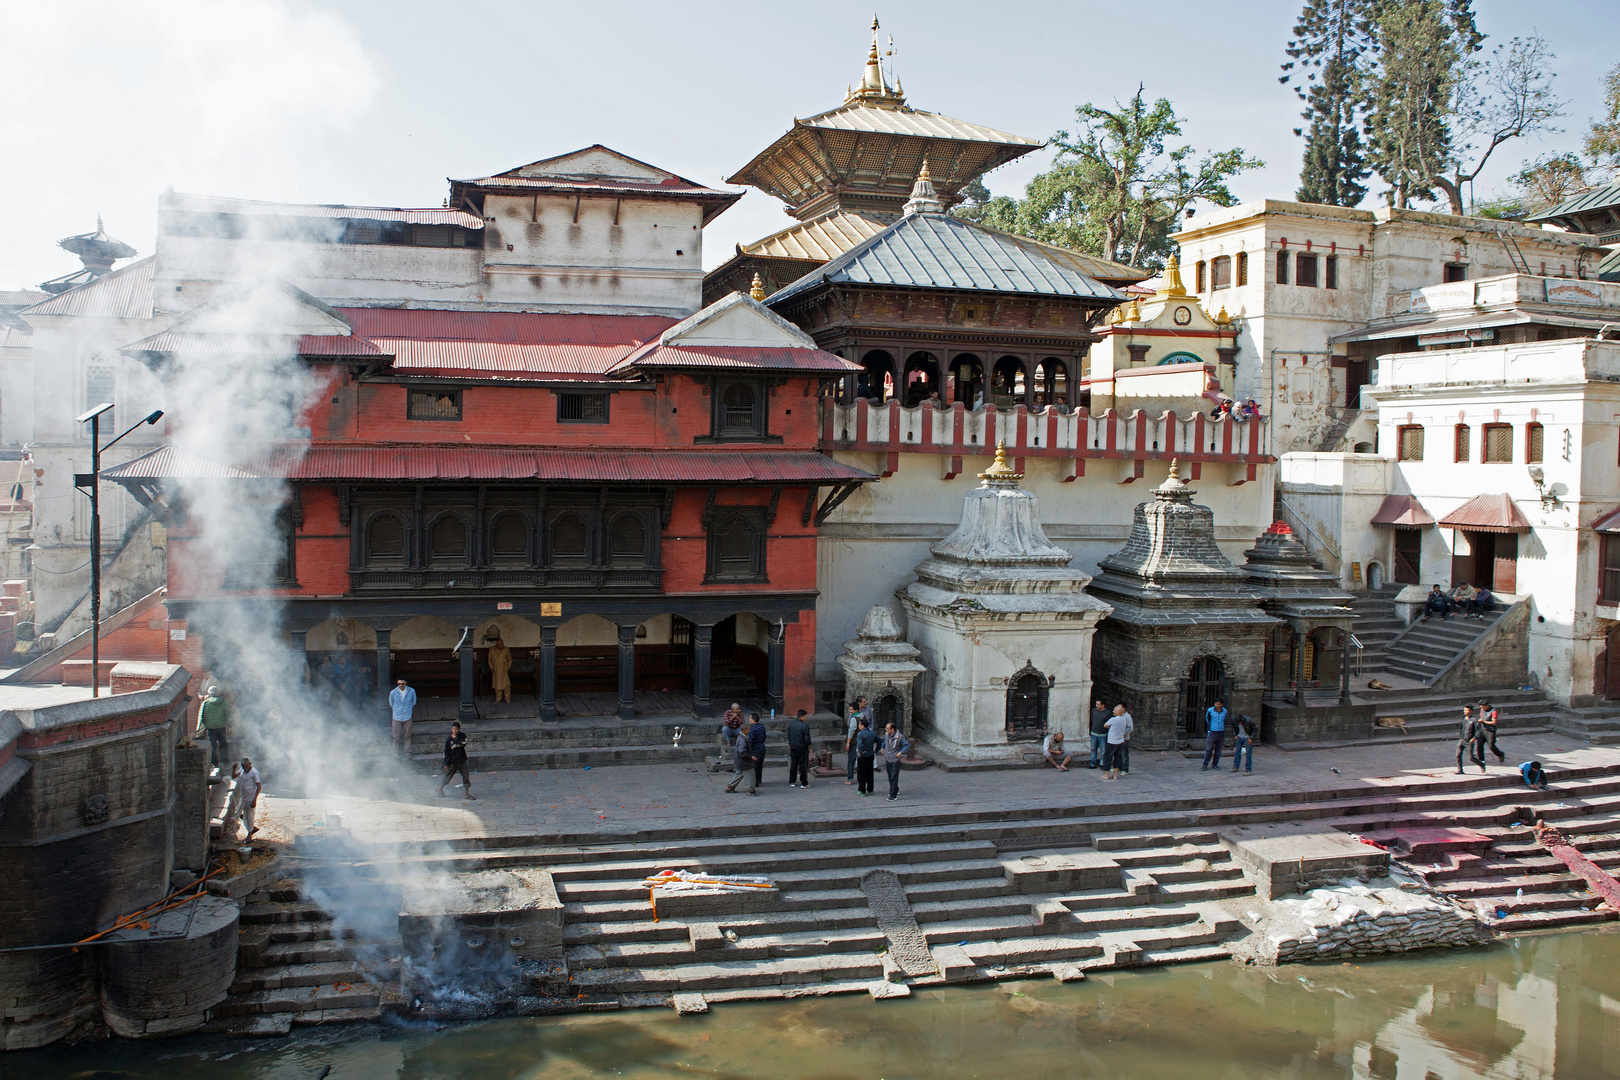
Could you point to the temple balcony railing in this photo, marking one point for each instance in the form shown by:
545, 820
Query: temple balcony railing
1123, 441
559, 579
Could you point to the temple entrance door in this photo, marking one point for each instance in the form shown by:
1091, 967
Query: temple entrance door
1204, 685
1408, 556
1611, 667
888, 711
1026, 704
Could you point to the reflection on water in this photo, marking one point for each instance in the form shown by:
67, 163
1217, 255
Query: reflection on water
1526, 1010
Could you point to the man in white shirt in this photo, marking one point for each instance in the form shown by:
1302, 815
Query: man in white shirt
248, 787
1116, 753
1052, 750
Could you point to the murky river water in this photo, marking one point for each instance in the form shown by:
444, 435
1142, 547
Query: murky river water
1534, 1008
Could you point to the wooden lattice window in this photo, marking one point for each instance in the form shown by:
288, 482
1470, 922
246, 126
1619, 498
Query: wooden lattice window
1463, 440
1220, 273
1499, 443
1410, 439
1532, 443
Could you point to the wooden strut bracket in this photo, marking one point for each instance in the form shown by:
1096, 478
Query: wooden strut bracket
834, 500
809, 504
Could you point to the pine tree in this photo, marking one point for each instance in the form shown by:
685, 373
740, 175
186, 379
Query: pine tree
1331, 45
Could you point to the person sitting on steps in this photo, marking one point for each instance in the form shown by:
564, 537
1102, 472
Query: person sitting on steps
1053, 754
1436, 603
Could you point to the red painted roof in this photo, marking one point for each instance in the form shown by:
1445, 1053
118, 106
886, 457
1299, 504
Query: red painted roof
1402, 512
324, 462
472, 344
1487, 513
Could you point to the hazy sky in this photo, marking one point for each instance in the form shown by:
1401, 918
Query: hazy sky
376, 102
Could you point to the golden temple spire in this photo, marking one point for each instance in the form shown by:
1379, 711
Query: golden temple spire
999, 471
756, 291
924, 199
1172, 279
874, 86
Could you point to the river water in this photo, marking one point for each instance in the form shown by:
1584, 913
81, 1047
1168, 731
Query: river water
1521, 1010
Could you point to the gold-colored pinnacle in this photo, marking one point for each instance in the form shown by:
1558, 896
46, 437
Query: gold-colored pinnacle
922, 174
756, 291
999, 469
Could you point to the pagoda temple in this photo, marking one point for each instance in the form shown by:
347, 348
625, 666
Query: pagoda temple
846, 174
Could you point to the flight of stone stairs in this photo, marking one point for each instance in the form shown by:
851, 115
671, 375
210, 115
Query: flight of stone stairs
1376, 624
1595, 724
1423, 650
976, 895
1432, 716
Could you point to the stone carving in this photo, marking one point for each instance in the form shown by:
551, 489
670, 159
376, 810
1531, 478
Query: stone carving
96, 809
880, 664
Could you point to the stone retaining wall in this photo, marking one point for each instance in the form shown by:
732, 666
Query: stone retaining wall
1352, 919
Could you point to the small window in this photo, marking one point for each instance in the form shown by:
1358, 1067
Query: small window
1498, 443
1220, 273
1242, 268
1454, 272
1305, 270
363, 232
1532, 443
569, 539
1609, 583
1282, 267
1411, 443
739, 409
509, 539
582, 408
449, 538
1463, 448
432, 235
385, 539
100, 387
737, 547
627, 540
434, 405
1330, 272
1198, 275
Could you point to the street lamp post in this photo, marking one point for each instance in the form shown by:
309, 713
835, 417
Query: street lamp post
92, 480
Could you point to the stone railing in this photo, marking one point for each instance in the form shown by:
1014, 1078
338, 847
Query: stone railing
1123, 440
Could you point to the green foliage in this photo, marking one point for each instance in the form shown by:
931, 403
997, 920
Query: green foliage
1116, 188
1422, 49
1333, 40
1602, 143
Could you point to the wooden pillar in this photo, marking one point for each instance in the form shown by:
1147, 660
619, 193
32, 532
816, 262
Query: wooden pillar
1071, 386
548, 673
702, 658
385, 670
1029, 381
469, 678
627, 672
1344, 667
776, 670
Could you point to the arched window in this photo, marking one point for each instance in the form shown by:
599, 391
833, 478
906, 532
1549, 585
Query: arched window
627, 540
1181, 358
509, 539
739, 406
385, 539
1026, 703
449, 538
737, 546
570, 542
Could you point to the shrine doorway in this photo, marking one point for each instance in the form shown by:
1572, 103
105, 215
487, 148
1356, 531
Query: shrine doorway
1026, 704
1206, 683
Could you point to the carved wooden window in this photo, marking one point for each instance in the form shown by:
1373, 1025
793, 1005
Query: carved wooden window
737, 546
1330, 269
582, 408
1410, 440
1499, 443
1532, 443
1242, 268
509, 539
448, 539
1220, 273
1198, 276
570, 540
1609, 554
1282, 267
1026, 703
627, 540
433, 405
385, 540
1305, 270
1463, 440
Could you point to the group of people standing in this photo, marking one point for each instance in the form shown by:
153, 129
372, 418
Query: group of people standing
1110, 742
745, 741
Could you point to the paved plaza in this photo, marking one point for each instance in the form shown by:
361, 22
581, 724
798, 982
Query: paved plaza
618, 802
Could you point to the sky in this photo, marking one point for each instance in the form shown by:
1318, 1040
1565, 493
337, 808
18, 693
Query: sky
105, 104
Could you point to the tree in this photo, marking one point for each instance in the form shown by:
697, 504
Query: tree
1550, 180
1332, 41
1422, 47
1116, 189
1602, 143
980, 207
1507, 97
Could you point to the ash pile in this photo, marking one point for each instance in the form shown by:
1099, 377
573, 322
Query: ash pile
483, 944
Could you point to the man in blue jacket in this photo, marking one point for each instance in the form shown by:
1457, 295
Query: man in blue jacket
756, 747
866, 744
1215, 720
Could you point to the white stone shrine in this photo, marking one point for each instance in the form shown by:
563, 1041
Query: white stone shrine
1003, 625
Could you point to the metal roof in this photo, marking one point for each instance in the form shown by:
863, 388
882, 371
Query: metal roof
471, 343
907, 121
1487, 513
938, 251
452, 462
125, 293
1402, 512
1594, 199
224, 204
822, 239
1609, 268
746, 357
1469, 321
531, 178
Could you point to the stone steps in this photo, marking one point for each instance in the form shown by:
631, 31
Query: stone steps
730, 974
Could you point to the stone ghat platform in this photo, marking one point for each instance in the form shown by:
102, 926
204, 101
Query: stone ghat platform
984, 894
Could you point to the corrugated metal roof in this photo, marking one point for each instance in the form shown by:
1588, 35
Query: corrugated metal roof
942, 252
1403, 512
15, 337
822, 239
441, 357
512, 327
126, 293
321, 462
225, 204
737, 356
904, 121
1609, 268
1487, 513
1595, 199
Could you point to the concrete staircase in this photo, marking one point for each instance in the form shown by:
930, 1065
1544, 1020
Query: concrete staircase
1423, 650
1435, 716
1595, 724
526, 743
1376, 625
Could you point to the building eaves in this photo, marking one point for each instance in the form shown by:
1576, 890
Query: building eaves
223, 204
908, 121
125, 293
1597, 198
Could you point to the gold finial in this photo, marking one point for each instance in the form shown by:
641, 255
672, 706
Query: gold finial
1134, 312
999, 471
922, 174
1172, 279
1222, 318
756, 291
1175, 469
